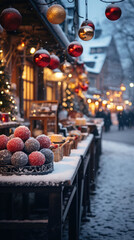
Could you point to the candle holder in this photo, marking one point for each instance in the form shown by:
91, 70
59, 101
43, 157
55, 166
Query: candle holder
5, 117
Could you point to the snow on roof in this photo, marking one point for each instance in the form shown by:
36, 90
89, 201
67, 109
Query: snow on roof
96, 58
67, 4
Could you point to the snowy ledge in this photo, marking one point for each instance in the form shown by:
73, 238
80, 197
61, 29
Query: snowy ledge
64, 171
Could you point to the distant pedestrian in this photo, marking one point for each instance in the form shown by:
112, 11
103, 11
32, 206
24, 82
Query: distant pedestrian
121, 120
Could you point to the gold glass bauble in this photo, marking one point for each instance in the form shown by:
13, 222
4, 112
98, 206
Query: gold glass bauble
83, 77
66, 67
56, 14
86, 33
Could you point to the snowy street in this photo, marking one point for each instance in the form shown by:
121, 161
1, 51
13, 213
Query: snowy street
112, 203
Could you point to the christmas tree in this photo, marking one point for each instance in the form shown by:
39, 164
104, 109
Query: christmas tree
7, 101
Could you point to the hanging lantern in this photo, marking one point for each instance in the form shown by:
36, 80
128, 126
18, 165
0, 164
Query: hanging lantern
54, 62
113, 12
84, 87
75, 49
42, 58
86, 33
88, 23
10, 19
66, 67
56, 14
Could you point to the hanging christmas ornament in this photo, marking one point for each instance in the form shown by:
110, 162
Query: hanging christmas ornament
10, 19
54, 62
66, 67
113, 12
56, 14
42, 58
86, 33
75, 49
80, 67
84, 87
77, 89
82, 77
88, 23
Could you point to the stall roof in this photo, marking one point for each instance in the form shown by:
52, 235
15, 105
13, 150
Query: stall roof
55, 29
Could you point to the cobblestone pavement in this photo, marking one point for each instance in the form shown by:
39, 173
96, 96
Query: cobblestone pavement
112, 205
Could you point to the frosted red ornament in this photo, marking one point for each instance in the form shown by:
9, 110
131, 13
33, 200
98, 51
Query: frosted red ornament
42, 58
113, 12
54, 62
3, 141
22, 132
15, 144
36, 159
44, 141
77, 89
88, 23
10, 19
75, 49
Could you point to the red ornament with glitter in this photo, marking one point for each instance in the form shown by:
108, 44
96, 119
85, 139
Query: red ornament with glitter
113, 12
10, 19
36, 159
22, 132
88, 23
3, 141
84, 87
77, 89
44, 141
75, 49
42, 58
15, 144
54, 62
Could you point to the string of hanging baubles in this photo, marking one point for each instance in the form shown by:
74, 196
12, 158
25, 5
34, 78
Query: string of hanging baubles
10, 20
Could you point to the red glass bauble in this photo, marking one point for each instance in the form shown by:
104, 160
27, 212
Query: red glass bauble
84, 87
88, 23
42, 58
77, 89
113, 12
10, 19
75, 49
54, 62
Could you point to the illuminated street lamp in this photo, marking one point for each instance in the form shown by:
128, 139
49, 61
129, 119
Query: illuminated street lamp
122, 87
131, 84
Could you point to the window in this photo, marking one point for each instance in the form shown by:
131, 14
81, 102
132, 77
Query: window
97, 50
28, 88
90, 64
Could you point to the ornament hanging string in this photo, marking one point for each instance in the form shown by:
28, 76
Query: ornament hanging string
86, 10
45, 3
116, 1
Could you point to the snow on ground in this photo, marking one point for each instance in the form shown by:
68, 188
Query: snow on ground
112, 205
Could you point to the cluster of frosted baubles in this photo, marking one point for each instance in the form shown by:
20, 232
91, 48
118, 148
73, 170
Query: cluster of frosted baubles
10, 19
22, 150
42, 58
56, 14
75, 49
113, 12
86, 31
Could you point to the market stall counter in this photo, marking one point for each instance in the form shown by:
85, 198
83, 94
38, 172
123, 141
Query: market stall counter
64, 189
